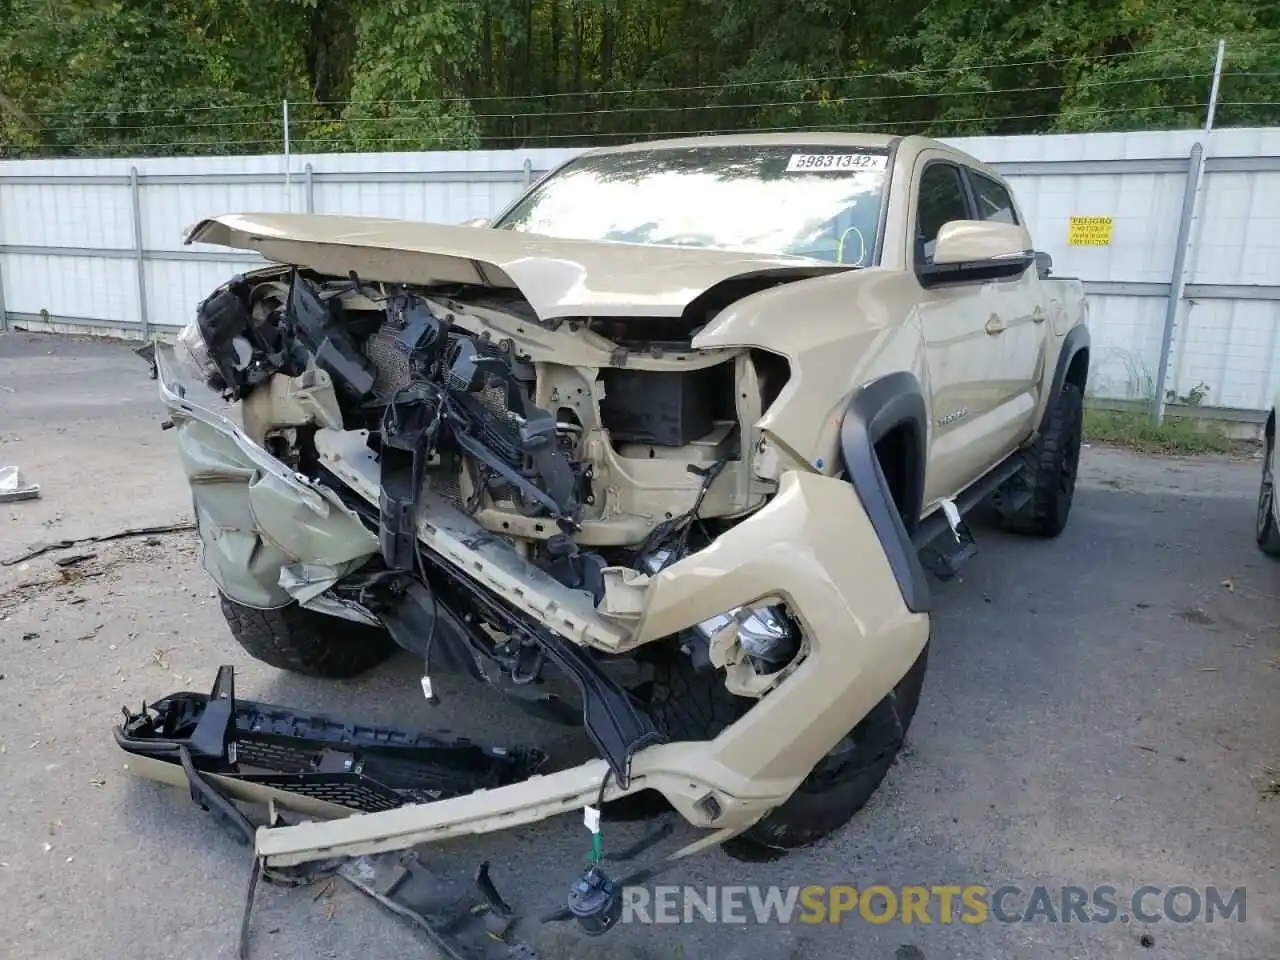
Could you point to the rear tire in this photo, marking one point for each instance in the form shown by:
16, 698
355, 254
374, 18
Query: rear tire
1052, 464
303, 641
1266, 533
696, 706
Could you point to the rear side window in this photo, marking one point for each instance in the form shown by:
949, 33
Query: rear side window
942, 199
994, 202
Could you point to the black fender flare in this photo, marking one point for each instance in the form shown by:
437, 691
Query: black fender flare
1077, 339
878, 407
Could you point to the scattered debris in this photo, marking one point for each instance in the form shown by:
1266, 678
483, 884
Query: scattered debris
350, 769
1147, 940
98, 782
1208, 669
1197, 616
1143, 746
158, 656
75, 558
120, 535
1229, 585
12, 487
31, 635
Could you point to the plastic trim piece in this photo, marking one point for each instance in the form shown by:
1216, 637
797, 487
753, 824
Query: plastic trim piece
1077, 339
881, 405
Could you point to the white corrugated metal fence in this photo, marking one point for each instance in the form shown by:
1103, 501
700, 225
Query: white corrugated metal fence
96, 245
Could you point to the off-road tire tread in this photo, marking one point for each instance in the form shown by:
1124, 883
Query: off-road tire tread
303, 641
689, 705
1045, 516
1269, 536
1269, 540
697, 706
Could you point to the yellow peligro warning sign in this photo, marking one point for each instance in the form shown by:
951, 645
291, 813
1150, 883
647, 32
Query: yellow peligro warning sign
1089, 232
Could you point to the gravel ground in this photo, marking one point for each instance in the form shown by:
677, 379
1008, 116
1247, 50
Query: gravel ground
1101, 709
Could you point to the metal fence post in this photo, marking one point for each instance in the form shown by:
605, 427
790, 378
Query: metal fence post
139, 256
4, 312
288, 193
4, 315
1217, 81
528, 172
310, 188
1177, 278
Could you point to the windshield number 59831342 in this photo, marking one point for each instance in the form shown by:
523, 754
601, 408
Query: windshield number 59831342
801, 162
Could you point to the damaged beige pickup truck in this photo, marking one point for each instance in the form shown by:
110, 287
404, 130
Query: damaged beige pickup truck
664, 449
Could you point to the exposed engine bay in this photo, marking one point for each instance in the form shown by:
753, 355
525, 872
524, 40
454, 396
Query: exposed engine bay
586, 445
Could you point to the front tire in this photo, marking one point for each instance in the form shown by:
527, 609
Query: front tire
299, 640
696, 706
1052, 463
1266, 533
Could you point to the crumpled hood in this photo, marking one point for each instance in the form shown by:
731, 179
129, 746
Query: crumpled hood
559, 278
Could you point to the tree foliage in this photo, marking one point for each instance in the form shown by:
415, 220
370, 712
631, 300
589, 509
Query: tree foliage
87, 77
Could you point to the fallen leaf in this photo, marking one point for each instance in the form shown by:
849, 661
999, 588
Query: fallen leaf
330, 910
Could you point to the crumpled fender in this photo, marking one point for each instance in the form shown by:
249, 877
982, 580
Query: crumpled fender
258, 519
856, 326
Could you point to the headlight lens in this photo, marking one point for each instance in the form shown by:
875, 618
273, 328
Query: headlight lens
765, 634
192, 353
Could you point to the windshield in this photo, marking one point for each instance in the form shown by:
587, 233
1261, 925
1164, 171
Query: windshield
821, 202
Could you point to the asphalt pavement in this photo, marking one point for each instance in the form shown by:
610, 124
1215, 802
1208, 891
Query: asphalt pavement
1099, 710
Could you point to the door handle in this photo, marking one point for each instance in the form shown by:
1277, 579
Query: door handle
995, 324
1038, 315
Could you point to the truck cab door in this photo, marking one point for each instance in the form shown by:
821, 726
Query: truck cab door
1019, 304
962, 332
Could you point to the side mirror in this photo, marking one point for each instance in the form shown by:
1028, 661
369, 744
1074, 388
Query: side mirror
973, 250
963, 240
475, 222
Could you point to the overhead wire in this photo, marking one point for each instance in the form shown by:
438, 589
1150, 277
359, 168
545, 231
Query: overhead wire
724, 85
305, 125
636, 134
824, 102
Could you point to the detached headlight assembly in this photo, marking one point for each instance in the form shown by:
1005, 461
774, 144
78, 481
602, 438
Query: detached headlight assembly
766, 634
192, 353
